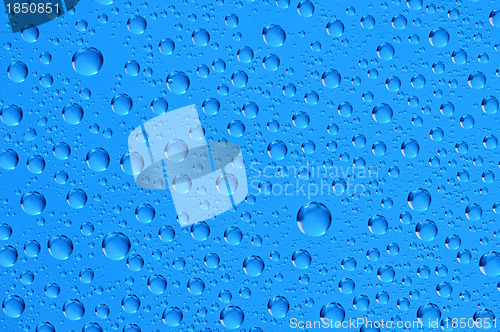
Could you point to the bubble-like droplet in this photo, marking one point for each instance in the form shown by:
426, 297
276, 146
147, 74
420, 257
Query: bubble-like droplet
335, 28
11, 115
382, 113
60, 247
385, 51
278, 306
419, 200
45, 327
236, 128
87, 61
305, 8
167, 46
200, 37
72, 113
13, 306
131, 303
176, 150
178, 82
211, 106
98, 159
157, 284
8, 256
33, 203
301, 259
9, 159
331, 78
227, 184
182, 183
489, 264
386, 273
428, 313
473, 212
253, 265
494, 18
378, 225
73, 309
76, 198
132, 164
116, 246
274, 35
121, 104
333, 312
30, 34
137, 24
232, 317
271, 62
477, 80
132, 68
277, 150
17, 71
172, 316
314, 219
490, 105
439, 37
145, 213
410, 148
426, 230
61, 151
346, 286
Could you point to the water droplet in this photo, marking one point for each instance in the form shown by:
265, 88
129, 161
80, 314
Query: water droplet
176, 150
98, 159
200, 37
87, 61
60, 247
13, 306
17, 71
73, 309
277, 150
121, 104
172, 316
314, 219
76, 198
335, 28
116, 246
426, 230
11, 115
490, 264
33, 203
278, 306
9, 159
378, 225
8, 256
137, 24
274, 35
253, 265
419, 200
439, 37
178, 82
385, 51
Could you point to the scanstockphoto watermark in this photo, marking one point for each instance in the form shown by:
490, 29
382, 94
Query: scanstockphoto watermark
409, 325
310, 180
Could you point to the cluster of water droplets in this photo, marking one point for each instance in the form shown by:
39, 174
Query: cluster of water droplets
370, 143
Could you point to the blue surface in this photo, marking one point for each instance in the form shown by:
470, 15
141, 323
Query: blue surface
407, 184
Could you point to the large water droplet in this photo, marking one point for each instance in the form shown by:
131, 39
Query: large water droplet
314, 219
87, 61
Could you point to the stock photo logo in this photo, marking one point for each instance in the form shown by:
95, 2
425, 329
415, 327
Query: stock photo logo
171, 151
25, 14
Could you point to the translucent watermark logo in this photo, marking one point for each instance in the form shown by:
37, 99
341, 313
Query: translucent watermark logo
26, 14
171, 151
310, 180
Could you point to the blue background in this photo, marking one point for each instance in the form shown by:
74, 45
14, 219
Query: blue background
113, 196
